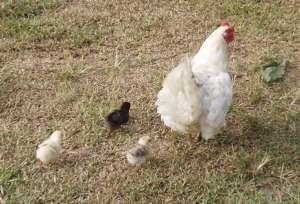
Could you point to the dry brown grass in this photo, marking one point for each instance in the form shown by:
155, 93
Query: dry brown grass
67, 65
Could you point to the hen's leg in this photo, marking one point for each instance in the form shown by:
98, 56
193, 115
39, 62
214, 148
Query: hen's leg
199, 137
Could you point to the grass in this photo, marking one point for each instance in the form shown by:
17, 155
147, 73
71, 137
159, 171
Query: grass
65, 64
28, 8
39, 29
28, 25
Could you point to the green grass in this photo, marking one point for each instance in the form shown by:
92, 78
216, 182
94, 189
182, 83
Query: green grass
12, 179
27, 23
26, 31
28, 8
65, 64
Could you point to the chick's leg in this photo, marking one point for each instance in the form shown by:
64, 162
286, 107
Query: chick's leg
112, 130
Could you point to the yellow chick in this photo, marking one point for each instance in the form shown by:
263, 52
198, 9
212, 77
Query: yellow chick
138, 154
50, 149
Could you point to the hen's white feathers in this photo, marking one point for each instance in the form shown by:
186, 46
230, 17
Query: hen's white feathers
178, 101
216, 94
198, 89
50, 149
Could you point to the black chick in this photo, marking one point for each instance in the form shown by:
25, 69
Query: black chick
118, 117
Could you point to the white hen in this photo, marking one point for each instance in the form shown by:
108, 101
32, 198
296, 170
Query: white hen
50, 149
199, 90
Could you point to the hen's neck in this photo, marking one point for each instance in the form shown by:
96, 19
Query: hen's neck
213, 53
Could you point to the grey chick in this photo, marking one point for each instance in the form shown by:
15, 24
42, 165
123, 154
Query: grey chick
138, 154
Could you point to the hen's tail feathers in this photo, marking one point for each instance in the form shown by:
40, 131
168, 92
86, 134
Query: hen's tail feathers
178, 101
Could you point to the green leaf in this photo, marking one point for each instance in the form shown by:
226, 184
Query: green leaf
274, 71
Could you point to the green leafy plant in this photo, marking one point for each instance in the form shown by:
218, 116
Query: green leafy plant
274, 71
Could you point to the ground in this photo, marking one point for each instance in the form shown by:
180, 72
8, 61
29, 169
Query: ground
64, 64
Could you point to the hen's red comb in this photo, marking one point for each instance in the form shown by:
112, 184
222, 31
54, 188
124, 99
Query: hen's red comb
225, 23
